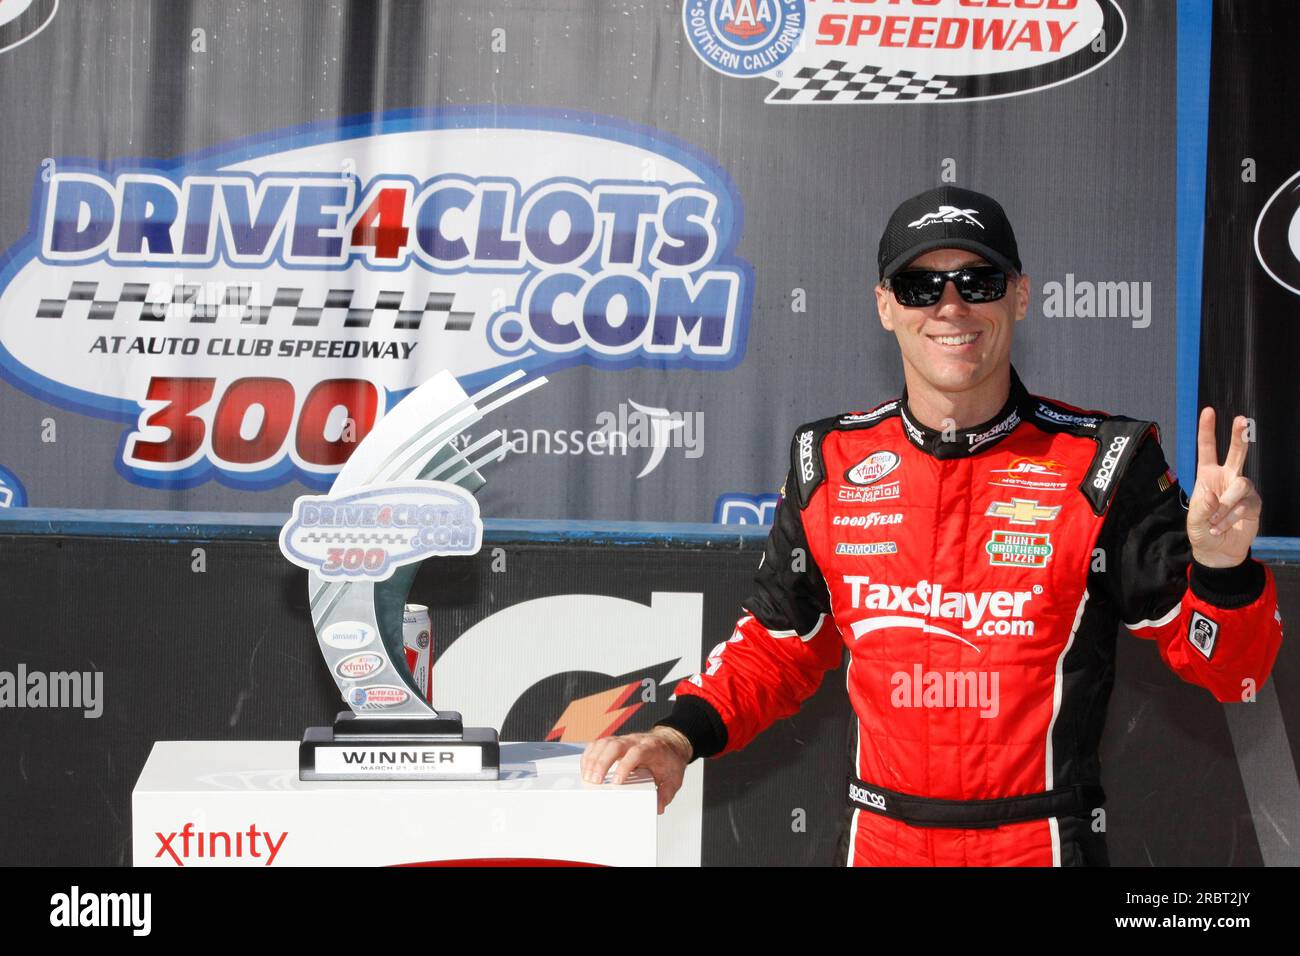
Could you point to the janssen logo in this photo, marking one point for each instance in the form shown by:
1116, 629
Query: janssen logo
250, 312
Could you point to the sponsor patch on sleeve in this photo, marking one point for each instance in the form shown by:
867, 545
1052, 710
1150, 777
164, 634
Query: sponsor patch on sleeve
1203, 634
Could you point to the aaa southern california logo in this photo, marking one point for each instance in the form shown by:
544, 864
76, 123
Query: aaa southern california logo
744, 37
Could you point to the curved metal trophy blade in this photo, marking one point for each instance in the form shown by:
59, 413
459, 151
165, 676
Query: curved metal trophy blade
359, 623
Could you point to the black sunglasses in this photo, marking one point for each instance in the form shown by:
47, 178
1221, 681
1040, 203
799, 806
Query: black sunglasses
920, 287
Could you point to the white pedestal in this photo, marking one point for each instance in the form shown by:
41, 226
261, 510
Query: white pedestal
240, 803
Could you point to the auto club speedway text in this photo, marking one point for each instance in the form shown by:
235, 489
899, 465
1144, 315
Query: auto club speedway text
995, 32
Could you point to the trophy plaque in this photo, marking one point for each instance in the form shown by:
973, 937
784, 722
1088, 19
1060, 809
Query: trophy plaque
406, 494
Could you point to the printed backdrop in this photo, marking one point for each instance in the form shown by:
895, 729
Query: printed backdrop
236, 234
1250, 336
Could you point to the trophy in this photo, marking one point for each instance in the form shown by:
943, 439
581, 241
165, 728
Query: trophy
406, 494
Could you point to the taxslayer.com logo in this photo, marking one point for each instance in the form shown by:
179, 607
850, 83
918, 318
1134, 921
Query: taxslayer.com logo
20, 20
984, 613
904, 51
250, 313
1277, 235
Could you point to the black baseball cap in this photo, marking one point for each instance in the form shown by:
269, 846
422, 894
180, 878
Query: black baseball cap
948, 217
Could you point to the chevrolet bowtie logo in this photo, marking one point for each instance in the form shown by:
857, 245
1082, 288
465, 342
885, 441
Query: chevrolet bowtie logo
1022, 511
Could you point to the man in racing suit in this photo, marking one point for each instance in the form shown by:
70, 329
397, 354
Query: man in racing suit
976, 566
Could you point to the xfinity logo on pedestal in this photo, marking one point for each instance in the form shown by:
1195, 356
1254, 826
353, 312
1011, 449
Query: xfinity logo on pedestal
190, 844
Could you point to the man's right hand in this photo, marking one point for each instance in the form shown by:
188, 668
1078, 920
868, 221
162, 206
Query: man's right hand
664, 752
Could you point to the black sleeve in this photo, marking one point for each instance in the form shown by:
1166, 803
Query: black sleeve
789, 592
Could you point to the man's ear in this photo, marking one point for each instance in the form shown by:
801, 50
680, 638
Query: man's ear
882, 308
1024, 290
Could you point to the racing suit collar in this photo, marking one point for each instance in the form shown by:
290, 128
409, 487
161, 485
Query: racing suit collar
965, 442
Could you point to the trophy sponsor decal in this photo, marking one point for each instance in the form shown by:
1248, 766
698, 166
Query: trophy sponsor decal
371, 533
349, 635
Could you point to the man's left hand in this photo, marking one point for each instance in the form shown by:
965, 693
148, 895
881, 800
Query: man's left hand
1223, 512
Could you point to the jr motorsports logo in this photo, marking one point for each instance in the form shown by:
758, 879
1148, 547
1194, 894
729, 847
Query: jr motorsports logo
919, 51
20, 20
1277, 235
250, 313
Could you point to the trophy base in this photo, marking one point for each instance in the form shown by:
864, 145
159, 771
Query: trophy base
379, 748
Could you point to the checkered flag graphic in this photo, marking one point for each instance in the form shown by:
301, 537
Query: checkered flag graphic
351, 537
202, 306
837, 83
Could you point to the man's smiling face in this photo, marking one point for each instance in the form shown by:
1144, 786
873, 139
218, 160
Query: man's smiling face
955, 345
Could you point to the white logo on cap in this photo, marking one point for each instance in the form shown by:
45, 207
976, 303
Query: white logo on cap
948, 214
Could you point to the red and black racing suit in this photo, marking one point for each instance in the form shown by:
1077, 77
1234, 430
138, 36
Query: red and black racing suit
977, 578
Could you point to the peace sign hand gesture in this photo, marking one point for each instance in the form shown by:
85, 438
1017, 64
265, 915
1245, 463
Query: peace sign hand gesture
1223, 512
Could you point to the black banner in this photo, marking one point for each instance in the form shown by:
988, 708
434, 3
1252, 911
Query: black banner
537, 638
1250, 333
